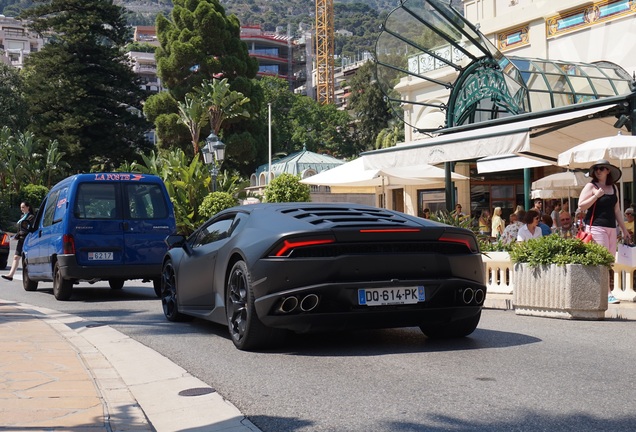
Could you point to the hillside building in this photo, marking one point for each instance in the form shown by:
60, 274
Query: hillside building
16, 42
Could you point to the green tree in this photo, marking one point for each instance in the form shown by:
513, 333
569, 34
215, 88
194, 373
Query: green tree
276, 92
287, 188
13, 107
320, 128
80, 87
198, 43
368, 106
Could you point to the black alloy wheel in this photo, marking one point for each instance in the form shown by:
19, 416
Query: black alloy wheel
247, 331
169, 294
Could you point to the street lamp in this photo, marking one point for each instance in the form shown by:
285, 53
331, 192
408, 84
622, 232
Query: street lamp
213, 152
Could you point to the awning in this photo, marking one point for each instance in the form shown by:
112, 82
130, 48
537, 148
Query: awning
507, 163
541, 138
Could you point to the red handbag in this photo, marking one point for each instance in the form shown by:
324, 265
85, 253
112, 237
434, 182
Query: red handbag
583, 234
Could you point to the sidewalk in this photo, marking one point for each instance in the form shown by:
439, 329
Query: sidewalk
59, 372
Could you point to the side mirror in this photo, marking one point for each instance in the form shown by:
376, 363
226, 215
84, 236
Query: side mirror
175, 241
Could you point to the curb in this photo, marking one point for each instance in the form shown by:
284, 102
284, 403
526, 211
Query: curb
136, 397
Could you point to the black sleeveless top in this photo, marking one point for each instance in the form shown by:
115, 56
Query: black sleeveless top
603, 209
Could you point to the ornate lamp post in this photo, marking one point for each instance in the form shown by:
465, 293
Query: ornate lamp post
213, 152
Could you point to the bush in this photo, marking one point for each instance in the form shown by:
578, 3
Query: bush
287, 188
33, 194
554, 249
215, 202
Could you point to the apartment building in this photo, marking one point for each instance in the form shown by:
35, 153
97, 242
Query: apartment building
16, 42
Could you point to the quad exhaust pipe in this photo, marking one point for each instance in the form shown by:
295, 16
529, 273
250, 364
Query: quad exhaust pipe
307, 303
477, 295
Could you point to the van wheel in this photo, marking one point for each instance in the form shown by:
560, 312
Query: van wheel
27, 283
116, 284
62, 288
156, 284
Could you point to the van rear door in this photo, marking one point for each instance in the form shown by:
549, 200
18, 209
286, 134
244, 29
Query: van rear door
149, 220
97, 224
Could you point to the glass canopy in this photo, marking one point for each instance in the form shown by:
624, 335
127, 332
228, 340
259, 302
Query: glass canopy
428, 44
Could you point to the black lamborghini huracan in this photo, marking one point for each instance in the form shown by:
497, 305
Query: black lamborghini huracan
267, 269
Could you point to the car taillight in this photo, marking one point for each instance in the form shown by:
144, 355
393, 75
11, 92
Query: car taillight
288, 246
68, 244
466, 240
5, 239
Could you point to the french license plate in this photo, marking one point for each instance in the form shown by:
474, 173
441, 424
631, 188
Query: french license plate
100, 256
391, 296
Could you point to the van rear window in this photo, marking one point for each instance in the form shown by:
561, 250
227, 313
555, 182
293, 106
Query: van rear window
146, 201
96, 201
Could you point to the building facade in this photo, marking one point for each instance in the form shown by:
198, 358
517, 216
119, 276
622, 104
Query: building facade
16, 42
555, 57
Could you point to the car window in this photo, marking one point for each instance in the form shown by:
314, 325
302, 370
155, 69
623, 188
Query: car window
96, 201
60, 205
215, 231
146, 201
49, 209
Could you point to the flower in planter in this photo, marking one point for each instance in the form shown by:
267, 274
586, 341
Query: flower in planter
557, 250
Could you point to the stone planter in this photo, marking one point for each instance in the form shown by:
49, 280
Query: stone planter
573, 291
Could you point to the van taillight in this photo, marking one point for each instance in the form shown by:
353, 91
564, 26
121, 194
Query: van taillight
5, 239
68, 244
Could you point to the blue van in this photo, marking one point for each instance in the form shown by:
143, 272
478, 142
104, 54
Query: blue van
99, 226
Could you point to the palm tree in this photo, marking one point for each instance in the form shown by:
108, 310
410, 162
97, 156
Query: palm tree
221, 102
54, 165
193, 114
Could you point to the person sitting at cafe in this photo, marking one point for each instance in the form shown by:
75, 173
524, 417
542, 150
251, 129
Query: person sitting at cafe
531, 228
512, 230
629, 220
567, 228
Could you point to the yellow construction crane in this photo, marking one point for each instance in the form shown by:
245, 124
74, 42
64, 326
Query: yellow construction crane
324, 51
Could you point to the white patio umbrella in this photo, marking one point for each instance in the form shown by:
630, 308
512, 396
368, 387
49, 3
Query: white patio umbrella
354, 174
619, 150
559, 185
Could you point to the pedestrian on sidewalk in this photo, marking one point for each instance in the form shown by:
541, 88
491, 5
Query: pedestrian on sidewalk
28, 216
599, 199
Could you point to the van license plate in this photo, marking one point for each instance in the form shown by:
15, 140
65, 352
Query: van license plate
391, 296
100, 256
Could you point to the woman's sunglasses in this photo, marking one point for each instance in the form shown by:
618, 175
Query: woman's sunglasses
601, 168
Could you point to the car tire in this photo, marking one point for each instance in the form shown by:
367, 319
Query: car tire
169, 294
62, 288
156, 284
246, 330
116, 284
3, 263
27, 283
455, 329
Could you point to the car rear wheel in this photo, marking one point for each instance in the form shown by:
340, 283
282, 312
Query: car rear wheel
247, 331
116, 284
156, 284
3, 263
169, 294
27, 283
62, 288
455, 329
